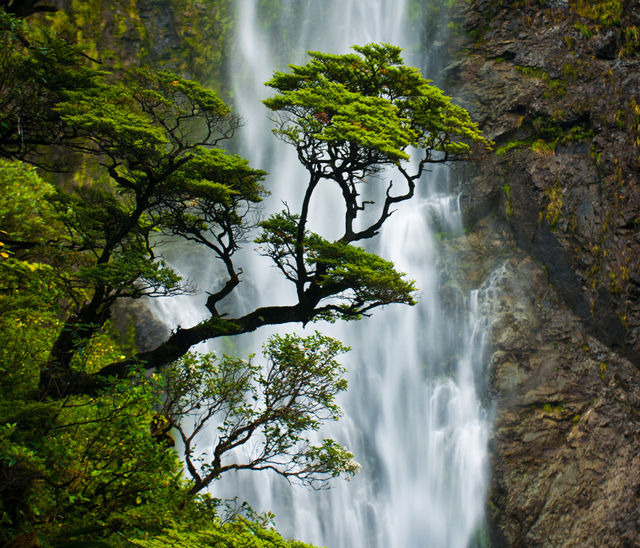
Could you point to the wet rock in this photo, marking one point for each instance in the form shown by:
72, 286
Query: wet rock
564, 436
607, 45
149, 331
561, 208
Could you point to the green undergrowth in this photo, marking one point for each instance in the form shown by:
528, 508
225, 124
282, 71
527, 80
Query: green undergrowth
509, 203
240, 533
547, 135
553, 208
607, 13
548, 407
532, 72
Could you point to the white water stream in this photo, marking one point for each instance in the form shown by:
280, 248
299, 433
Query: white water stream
412, 416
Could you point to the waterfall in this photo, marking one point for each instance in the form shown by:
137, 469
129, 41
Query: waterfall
412, 415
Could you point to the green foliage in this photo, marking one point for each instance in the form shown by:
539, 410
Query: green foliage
240, 533
557, 88
366, 277
632, 34
367, 108
289, 397
82, 461
583, 29
25, 212
603, 370
532, 72
509, 205
29, 294
360, 279
500, 151
350, 117
606, 12
548, 133
554, 204
570, 71
88, 422
35, 72
94, 460
543, 148
631, 37
151, 133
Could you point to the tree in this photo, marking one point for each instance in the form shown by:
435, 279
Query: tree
37, 69
76, 435
349, 116
270, 408
151, 134
352, 116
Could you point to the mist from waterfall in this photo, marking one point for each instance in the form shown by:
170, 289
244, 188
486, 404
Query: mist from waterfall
412, 415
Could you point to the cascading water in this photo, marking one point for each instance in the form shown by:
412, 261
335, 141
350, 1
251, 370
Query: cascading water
412, 417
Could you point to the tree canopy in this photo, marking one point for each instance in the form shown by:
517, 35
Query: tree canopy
87, 419
352, 116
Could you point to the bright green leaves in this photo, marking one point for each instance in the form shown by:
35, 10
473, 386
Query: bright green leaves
177, 95
280, 242
200, 383
332, 458
440, 125
30, 297
376, 70
331, 113
96, 219
90, 460
134, 275
371, 123
85, 415
148, 119
84, 440
92, 216
239, 533
212, 175
107, 118
363, 111
356, 115
340, 270
302, 381
292, 395
305, 367
210, 199
25, 214
367, 278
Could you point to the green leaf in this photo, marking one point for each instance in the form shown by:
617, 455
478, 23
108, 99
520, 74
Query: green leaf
82, 544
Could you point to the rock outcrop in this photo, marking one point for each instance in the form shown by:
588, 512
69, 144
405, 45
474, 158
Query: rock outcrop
557, 87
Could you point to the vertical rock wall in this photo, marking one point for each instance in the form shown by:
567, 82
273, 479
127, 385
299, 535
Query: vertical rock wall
190, 37
557, 87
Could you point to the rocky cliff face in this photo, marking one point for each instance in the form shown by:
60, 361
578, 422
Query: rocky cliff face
557, 87
190, 37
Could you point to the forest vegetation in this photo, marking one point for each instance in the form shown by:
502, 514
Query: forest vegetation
87, 421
